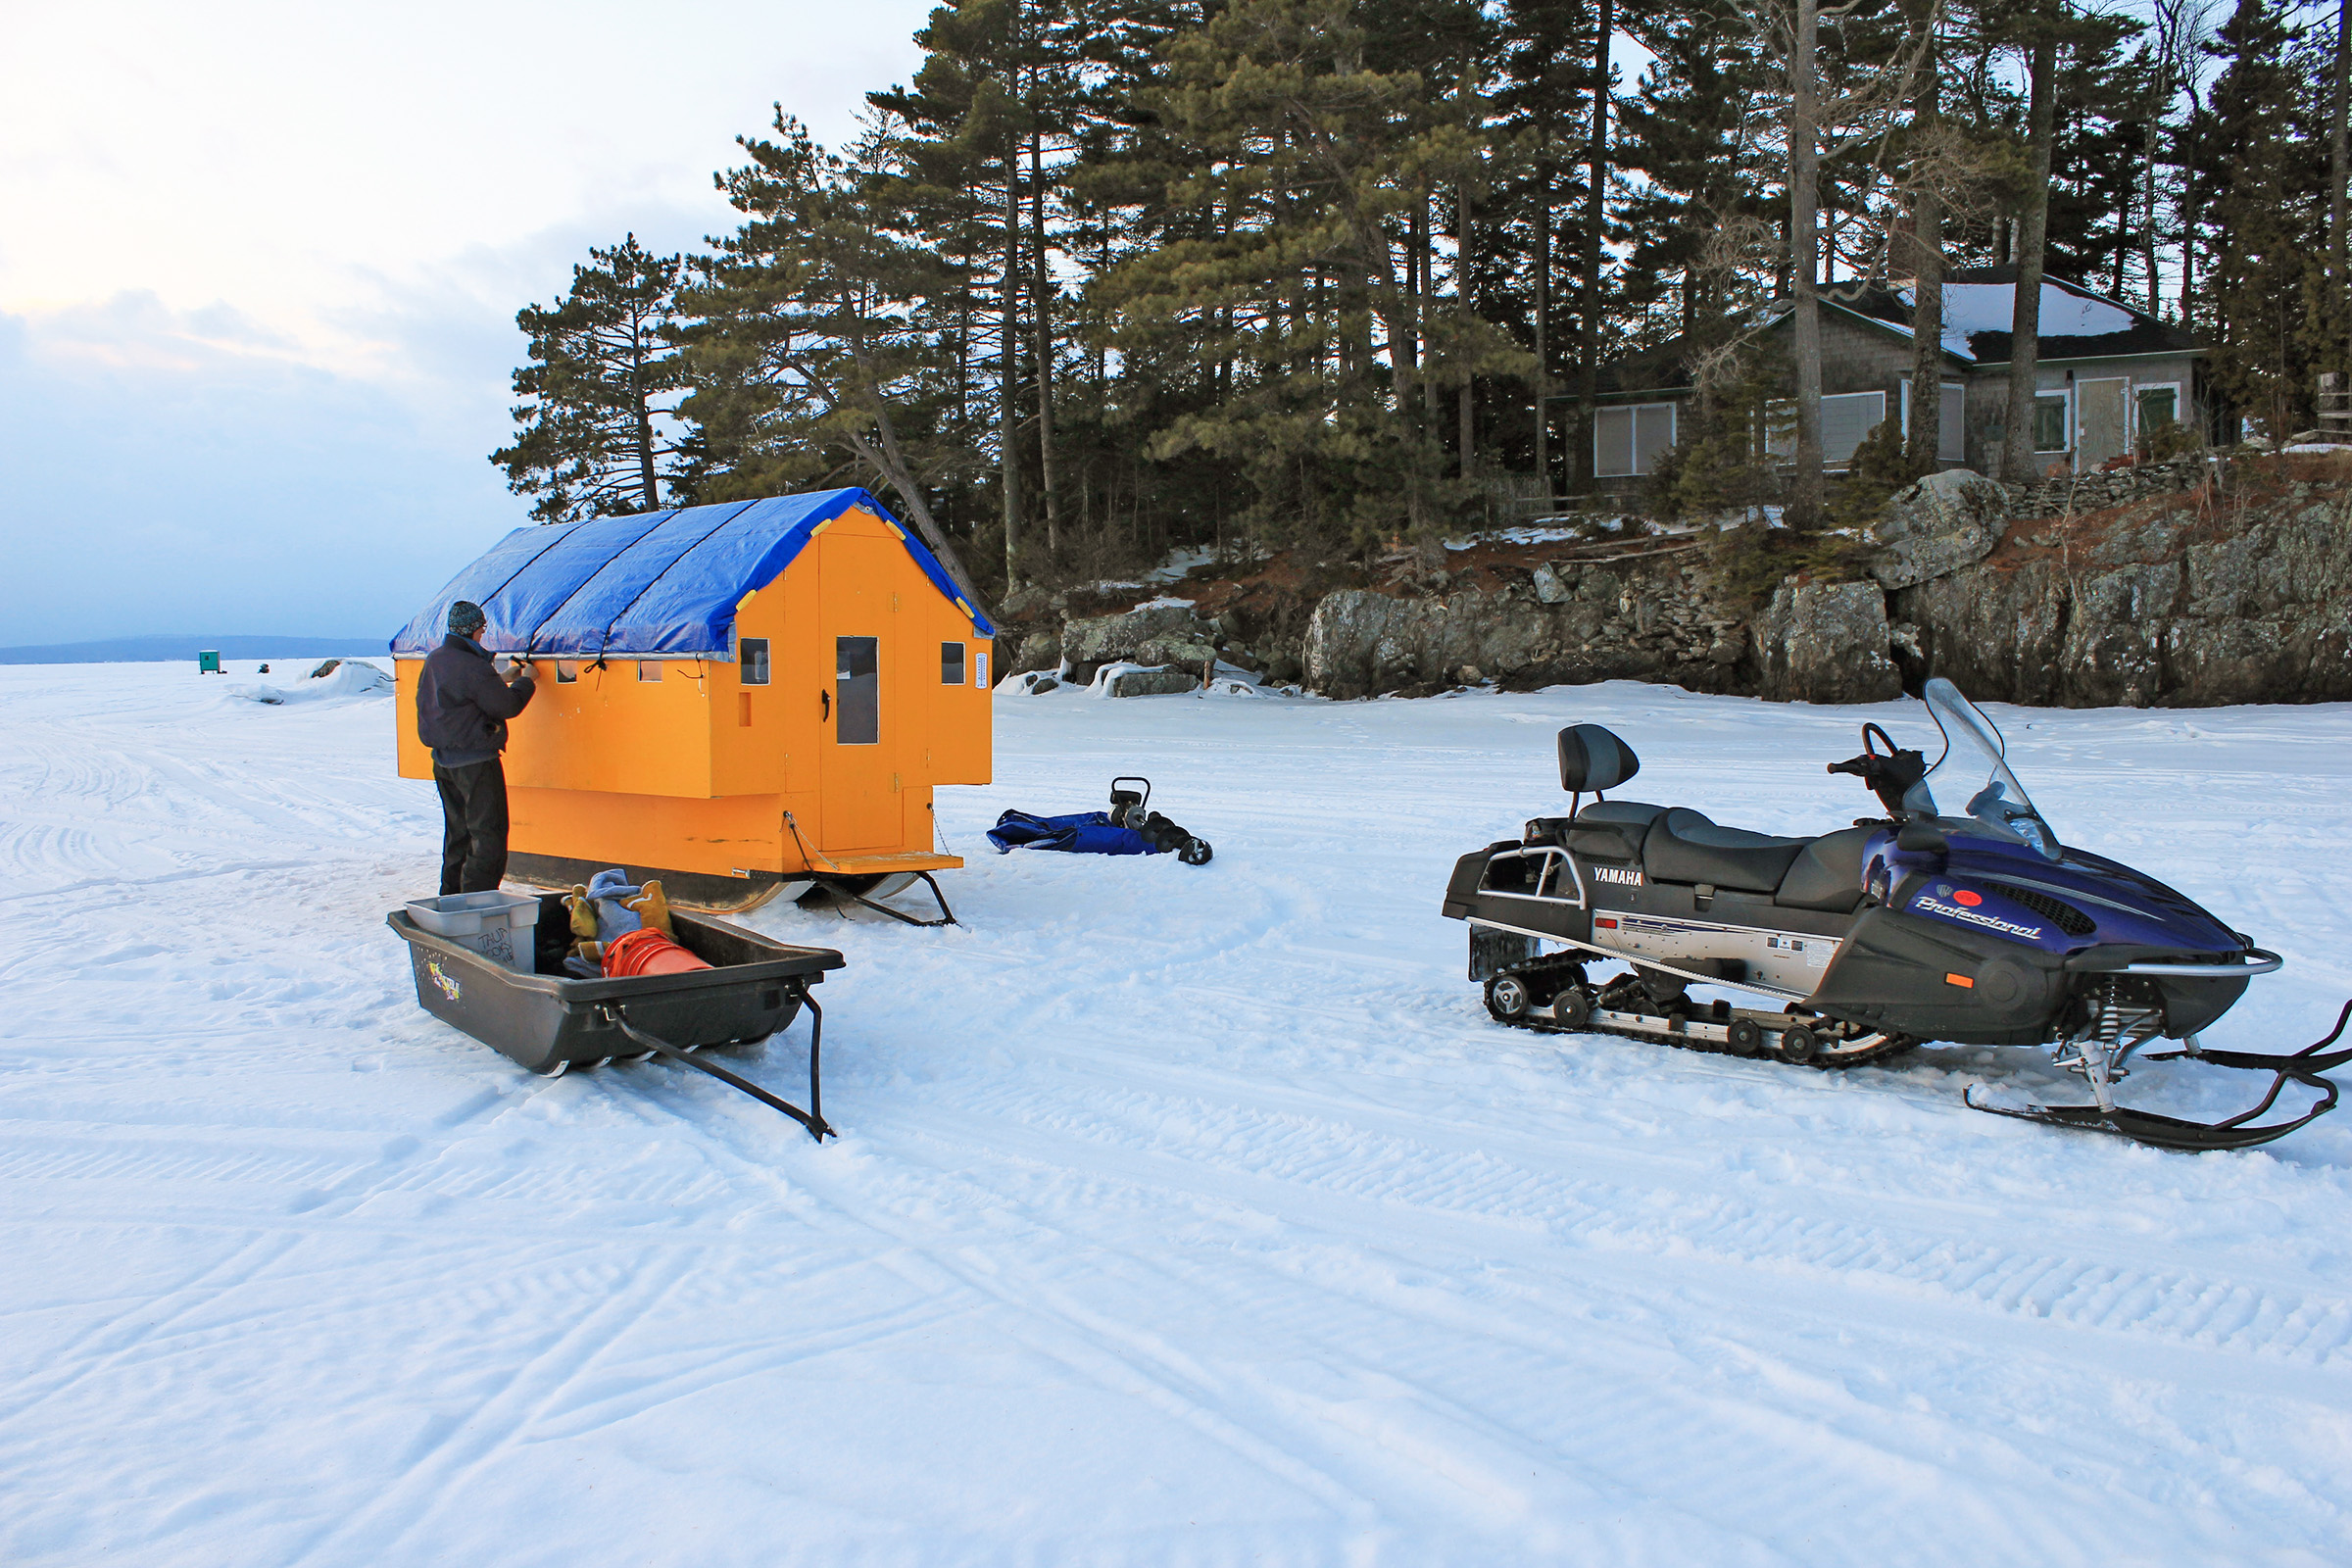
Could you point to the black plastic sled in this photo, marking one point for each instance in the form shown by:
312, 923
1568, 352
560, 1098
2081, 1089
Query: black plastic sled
548, 1022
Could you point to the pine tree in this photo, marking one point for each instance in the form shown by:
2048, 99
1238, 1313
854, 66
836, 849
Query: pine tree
595, 434
2269, 177
806, 345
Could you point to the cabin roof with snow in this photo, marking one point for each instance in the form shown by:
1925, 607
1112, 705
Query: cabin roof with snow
654, 583
2076, 323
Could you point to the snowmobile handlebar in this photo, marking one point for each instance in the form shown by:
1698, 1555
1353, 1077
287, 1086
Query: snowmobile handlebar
1889, 773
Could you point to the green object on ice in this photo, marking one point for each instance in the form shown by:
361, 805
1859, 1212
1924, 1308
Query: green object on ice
208, 661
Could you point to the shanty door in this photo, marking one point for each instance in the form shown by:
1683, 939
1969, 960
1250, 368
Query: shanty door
858, 741
2099, 408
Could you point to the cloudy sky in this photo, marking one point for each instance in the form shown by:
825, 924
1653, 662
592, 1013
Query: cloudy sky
260, 263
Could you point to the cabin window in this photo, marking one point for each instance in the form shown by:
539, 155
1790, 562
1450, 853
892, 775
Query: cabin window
750, 660
2157, 407
858, 691
951, 664
1627, 441
2049, 422
649, 669
1951, 420
1846, 419
567, 672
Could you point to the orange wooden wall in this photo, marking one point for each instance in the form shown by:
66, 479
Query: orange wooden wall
696, 771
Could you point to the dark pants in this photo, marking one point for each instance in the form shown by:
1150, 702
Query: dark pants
474, 826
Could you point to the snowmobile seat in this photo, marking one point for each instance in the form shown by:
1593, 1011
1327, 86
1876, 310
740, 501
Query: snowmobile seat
1683, 845
1826, 874
1612, 831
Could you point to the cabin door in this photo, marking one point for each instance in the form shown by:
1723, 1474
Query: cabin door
857, 745
2099, 409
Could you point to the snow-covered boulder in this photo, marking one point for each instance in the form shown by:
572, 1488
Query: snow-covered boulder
1937, 525
350, 679
1159, 633
1134, 681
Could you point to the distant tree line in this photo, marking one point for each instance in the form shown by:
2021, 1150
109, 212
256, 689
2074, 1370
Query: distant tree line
1111, 274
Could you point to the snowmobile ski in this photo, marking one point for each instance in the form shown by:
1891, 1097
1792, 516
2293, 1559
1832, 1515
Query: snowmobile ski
2172, 1132
1977, 928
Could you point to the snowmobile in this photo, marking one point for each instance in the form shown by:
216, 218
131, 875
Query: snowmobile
1980, 929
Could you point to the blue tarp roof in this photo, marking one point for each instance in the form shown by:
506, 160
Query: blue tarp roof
660, 582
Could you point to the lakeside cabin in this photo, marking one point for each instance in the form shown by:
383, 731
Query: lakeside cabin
742, 698
2107, 373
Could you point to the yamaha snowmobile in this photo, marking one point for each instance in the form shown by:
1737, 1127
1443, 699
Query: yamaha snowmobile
1977, 929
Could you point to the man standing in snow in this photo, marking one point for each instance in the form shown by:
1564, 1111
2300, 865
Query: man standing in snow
462, 705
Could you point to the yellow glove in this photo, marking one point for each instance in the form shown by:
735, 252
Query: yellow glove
652, 908
583, 912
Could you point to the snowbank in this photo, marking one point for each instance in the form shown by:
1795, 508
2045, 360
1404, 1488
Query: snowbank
350, 679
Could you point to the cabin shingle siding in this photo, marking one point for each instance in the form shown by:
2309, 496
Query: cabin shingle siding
2105, 387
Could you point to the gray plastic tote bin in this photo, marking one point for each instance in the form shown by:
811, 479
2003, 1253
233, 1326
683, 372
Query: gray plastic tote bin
497, 925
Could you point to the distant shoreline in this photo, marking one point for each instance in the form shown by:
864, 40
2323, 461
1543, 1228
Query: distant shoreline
174, 649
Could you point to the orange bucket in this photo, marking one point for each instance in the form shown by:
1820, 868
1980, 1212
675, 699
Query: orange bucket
646, 951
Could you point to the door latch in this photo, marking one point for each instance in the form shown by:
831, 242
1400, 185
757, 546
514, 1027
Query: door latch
824, 703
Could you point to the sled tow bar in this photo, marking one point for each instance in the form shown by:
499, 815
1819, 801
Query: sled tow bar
814, 1119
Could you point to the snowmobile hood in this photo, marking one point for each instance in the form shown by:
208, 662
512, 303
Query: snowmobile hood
2067, 905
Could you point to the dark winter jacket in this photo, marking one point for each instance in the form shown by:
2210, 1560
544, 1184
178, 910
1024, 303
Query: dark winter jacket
461, 705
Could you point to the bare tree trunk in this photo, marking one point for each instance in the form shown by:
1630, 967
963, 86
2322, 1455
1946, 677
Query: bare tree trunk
2340, 168
2168, 50
1008, 424
646, 478
1804, 263
1923, 440
1041, 286
1597, 222
1429, 304
889, 458
2025, 324
1543, 306
1466, 435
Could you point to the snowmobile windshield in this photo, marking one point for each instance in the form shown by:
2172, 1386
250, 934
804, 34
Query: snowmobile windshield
1972, 770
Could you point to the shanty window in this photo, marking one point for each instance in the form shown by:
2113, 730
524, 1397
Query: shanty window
649, 669
951, 664
1627, 441
567, 672
750, 660
2157, 407
858, 691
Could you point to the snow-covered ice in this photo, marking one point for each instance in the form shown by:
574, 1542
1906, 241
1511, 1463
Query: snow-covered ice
1180, 1216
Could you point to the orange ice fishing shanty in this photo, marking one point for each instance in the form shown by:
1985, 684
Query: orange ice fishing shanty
741, 700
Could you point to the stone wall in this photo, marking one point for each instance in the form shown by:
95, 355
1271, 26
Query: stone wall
2188, 607
1565, 623
2168, 591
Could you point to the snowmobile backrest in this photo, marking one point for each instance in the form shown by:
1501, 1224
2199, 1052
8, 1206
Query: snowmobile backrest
1593, 759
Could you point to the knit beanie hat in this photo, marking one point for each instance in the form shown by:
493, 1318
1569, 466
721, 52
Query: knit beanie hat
465, 617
